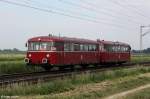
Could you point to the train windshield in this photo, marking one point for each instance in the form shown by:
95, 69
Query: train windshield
40, 46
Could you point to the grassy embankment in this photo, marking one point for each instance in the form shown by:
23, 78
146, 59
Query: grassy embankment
139, 58
14, 63
85, 86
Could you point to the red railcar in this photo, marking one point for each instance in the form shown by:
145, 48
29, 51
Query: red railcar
52, 51
114, 52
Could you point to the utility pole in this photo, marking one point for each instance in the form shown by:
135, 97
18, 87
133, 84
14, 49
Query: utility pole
142, 35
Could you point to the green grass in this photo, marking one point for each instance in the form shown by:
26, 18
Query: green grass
14, 63
143, 94
110, 90
138, 58
9, 67
11, 57
70, 84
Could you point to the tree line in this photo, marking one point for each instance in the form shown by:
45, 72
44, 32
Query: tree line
14, 50
143, 51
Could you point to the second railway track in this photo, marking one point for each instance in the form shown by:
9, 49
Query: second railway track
35, 77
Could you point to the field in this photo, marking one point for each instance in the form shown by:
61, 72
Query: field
14, 63
89, 86
139, 58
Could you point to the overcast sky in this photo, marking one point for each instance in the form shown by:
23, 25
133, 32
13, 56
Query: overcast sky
115, 20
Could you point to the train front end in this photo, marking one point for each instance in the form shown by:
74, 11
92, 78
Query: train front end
41, 52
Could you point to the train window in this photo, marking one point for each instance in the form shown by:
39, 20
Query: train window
44, 46
121, 48
81, 47
128, 49
118, 49
107, 48
94, 48
100, 47
66, 47
59, 46
76, 47
90, 47
71, 47
114, 48
86, 47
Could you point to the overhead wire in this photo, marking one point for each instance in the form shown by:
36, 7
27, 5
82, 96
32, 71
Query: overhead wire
130, 18
62, 10
60, 13
71, 12
94, 9
130, 9
45, 10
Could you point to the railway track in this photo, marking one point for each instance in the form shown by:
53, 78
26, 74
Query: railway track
35, 77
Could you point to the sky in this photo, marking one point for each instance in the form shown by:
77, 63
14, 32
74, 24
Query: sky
113, 20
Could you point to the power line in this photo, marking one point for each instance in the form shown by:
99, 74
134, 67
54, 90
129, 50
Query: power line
93, 9
58, 9
62, 10
45, 10
124, 7
107, 9
60, 13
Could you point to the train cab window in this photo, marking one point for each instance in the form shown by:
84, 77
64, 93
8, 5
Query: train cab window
44, 46
128, 49
40, 46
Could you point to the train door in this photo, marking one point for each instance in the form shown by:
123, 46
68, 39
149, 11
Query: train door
118, 53
100, 50
60, 54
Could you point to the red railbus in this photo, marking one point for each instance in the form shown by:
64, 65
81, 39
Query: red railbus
114, 52
50, 51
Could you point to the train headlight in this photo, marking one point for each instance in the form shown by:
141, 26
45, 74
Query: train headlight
26, 60
44, 61
47, 55
29, 55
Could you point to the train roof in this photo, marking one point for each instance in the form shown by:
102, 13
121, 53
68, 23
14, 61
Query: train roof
73, 40
61, 39
113, 43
